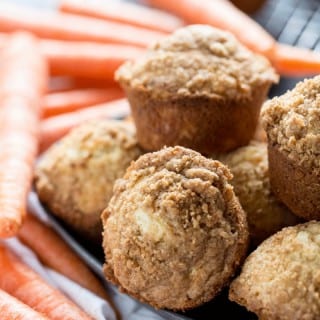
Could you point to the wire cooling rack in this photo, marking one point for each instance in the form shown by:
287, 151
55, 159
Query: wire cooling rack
294, 22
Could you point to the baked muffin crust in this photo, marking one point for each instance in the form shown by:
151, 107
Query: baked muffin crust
198, 60
75, 177
292, 122
174, 232
265, 213
280, 280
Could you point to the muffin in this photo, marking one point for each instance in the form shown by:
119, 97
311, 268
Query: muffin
265, 213
292, 123
75, 177
280, 280
199, 88
174, 232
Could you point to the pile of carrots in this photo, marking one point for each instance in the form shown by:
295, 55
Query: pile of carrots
56, 71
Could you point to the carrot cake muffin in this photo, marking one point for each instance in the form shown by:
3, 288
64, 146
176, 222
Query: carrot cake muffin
199, 88
280, 279
174, 232
75, 177
265, 213
292, 123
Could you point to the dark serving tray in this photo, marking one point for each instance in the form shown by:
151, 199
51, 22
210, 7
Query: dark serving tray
289, 21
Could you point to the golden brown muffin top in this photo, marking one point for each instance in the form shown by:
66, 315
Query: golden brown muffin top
174, 232
292, 122
266, 214
280, 279
198, 60
75, 176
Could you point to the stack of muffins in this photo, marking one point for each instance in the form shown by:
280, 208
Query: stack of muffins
201, 89
185, 215
197, 90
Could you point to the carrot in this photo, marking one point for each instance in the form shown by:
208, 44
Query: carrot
62, 102
22, 82
23, 283
55, 127
124, 12
87, 59
11, 308
60, 84
60, 257
294, 61
68, 83
63, 26
224, 15
83, 83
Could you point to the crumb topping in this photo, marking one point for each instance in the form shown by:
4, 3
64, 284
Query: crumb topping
76, 175
266, 214
171, 214
281, 279
198, 60
292, 122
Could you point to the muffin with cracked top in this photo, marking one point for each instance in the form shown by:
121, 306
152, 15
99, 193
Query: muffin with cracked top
292, 123
199, 88
174, 232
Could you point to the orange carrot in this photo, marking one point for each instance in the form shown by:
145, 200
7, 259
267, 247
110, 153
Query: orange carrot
68, 83
224, 15
22, 81
83, 82
63, 26
62, 102
60, 257
294, 61
87, 59
84, 59
124, 12
60, 84
11, 308
56, 127
23, 283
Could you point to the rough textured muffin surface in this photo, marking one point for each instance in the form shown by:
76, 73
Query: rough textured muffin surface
198, 60
266, 214
281, 279
200, 88
174, 232
75, 177
292, 122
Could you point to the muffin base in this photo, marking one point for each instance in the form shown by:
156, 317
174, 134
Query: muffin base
204, 123
296, 187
